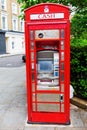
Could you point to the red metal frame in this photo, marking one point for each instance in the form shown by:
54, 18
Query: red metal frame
34, 115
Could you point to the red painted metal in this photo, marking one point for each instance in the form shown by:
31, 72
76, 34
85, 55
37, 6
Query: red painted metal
43, 105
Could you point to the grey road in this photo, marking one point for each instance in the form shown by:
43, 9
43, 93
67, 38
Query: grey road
11, 61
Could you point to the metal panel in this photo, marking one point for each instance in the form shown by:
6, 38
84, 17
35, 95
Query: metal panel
48, 107
48, 97
46, 34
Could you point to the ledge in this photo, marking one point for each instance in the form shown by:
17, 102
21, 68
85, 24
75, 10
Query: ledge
79, 102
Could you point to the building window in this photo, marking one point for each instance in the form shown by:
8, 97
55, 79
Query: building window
15, 24
22, 44
12, 45
3, 4
22, 26
14, 8
4, 22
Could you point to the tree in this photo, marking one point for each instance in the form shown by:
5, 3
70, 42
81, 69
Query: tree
79, 4
79, 23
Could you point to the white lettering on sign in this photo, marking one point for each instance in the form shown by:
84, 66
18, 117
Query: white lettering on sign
46, 16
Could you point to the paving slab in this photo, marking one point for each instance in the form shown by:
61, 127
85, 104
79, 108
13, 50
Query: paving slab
13, 119
74, 128
83, 115
76, 120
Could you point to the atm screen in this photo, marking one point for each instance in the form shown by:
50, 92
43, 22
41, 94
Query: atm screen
45, 66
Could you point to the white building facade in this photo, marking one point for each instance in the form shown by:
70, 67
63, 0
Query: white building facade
12, 26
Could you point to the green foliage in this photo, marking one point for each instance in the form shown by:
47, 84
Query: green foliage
79, 23
79, 67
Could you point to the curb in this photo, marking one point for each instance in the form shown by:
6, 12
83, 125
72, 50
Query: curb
8, 55
79, 102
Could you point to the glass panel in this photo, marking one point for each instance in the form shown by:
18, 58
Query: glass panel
62, 77
32, 56
48, 107
34, 107
62, 66
33, 97
32, 76
32, 45
33, 87
62, 87
62, 107
62, 33
31, 35
32, 66
48, 97
62, 45
62, 55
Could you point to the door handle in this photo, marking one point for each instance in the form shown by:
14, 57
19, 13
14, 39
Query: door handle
61, 98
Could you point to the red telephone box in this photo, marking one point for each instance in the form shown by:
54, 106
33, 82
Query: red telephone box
47, 35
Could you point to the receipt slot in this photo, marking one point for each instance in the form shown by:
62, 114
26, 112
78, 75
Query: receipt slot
47, 36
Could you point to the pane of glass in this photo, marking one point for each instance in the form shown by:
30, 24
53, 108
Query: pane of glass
33, 87
32, 56
62, 45
32, 45
62, 87
62, 107
62, 55
33, 97
31, 35
32, 66
62, 66
62, 33
48, 107
32, 76
62, 77
34, 107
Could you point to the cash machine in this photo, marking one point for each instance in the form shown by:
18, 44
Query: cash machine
47, 36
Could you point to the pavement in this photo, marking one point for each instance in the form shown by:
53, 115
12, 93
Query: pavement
13, 106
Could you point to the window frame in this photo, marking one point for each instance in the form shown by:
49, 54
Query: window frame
22, 25
3, 4
14, 8
15, 24
13, 45
4, 24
